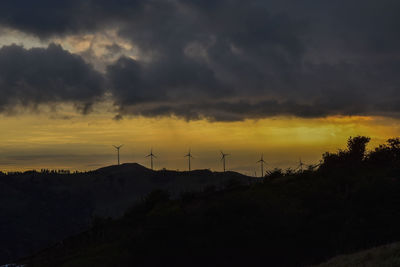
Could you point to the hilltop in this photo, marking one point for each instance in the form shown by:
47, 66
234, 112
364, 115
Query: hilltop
39, 209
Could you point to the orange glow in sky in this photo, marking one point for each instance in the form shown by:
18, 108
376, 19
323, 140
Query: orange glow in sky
76, 142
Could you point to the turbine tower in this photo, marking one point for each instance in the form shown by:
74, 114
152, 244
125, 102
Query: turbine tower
223, 158
118, 148
261, 161
301, 164
189, 156
151, 155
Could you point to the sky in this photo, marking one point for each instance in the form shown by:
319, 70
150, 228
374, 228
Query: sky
288, 79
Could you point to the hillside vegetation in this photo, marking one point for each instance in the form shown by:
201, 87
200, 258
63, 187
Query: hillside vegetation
352, 202
39, 209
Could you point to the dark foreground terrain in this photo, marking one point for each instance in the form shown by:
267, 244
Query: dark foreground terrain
351, 203
382, 256
39, 209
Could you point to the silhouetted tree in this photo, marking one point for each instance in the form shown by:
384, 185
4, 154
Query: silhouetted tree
351, 158
386, 154
275, 173
356, 147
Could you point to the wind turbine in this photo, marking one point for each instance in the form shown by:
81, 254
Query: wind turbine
189, 156
301, 164
262, 164
118, 148
223, 158
151, 155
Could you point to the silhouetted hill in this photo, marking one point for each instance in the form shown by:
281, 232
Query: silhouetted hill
40, 208
126, 168
352, 202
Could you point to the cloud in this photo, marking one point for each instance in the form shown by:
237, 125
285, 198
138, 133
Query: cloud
225, 59
46, 76
46, 18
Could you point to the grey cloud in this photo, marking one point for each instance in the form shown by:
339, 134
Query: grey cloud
134, 82
46, 76
231, 59
46, 18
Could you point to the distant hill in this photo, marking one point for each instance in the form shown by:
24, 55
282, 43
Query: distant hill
124, 168
40, 208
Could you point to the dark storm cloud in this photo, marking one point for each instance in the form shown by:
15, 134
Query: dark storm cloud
46, 17
46, 76
232, 60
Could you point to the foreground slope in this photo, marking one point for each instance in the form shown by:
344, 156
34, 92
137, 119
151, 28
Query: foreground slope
298, 221
40, 208
383, 256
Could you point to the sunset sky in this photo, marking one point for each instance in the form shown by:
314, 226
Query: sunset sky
290, 79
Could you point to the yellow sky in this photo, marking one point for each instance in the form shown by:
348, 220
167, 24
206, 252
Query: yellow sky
73, 141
